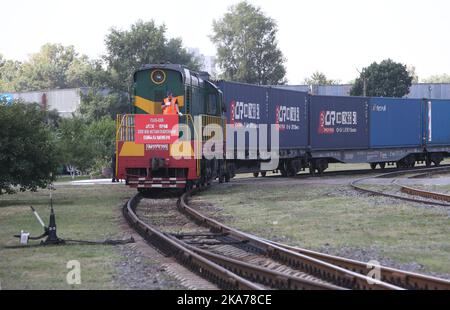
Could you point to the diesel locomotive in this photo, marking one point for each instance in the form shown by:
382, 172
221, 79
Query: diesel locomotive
179, 163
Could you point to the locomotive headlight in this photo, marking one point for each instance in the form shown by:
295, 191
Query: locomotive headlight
158, 76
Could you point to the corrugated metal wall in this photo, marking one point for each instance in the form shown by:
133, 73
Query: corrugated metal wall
65, 101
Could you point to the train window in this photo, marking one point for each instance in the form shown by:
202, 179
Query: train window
187, 77
212, 104
194, 100
194, 81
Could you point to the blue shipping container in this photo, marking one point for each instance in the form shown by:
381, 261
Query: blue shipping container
395, 122
247, 107
246, 104
288, 110
437, 120
338, 123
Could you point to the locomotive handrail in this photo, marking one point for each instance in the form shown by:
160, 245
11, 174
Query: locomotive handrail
189, 117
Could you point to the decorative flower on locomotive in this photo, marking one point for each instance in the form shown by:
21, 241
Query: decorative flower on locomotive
160, 144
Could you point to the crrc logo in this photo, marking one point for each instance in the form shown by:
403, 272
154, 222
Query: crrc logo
329, 119
245, 111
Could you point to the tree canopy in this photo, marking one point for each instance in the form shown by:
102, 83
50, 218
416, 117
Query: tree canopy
386, 79
143, 43
75, 144
54, 66
439, 78
247, 48
28, 155
319, 78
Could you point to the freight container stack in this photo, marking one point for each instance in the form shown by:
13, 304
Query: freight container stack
437, 118
317, 130
249, 106
288, 110
395, 123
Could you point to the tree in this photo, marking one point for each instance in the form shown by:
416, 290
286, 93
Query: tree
102, 134
144, 43
386, 79
247, 47
75, 145
55, 66
97, 103
413, 74
440, 78
28, 155
319, 78
9, 72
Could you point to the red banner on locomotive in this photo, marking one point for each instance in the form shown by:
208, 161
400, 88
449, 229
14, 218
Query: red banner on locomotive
156, 129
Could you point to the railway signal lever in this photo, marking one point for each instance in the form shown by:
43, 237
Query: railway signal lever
49, 232
52, 237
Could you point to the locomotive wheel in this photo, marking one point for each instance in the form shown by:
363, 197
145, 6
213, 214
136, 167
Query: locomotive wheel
382, 165
255, 174
263, 174
373, 166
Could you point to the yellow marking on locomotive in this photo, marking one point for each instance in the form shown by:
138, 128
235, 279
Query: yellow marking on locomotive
180, 101
147, 105
152, 107
129, 148
181, 149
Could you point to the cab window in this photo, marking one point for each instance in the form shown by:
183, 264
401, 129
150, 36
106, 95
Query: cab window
212, 104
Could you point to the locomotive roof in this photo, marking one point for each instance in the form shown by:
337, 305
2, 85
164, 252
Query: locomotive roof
179, 68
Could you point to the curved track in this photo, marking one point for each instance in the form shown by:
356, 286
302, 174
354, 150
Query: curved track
436, 197
237, 260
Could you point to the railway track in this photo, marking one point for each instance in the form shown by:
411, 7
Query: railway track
427, 197
236, 260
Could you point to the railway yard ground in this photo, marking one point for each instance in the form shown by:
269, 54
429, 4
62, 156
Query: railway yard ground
318, 213
86, 213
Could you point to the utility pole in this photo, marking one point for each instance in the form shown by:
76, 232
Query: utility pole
363, 75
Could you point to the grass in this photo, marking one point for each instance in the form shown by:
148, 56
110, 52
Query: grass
329, 216
90, 213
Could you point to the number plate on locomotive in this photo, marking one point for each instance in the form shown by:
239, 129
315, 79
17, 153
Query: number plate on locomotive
156, 147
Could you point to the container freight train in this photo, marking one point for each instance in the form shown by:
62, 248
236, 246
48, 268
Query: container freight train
304, 131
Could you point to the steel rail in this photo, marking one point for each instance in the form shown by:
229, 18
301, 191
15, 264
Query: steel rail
200, 260
321, 269
259, 274
405, 279
207, 269
354, 184
425, 194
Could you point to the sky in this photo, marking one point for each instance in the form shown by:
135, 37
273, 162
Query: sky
335, 37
